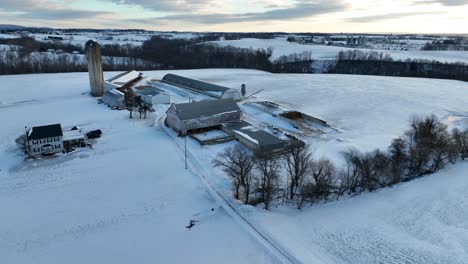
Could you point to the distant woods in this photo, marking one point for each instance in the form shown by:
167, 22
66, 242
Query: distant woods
30, 56
26, 55
377, 63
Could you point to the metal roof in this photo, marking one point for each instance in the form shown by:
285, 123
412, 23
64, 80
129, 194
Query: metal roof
48, 131
254, 134
194, 84
207, 108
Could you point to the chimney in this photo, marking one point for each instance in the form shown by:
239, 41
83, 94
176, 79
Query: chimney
96, 78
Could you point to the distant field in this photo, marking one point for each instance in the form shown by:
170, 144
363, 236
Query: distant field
322, 52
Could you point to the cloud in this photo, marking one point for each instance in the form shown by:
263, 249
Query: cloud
443, 2
390, 16
303, 9
46, 10
168, 5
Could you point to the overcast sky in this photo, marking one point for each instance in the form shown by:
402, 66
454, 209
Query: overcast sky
399, 16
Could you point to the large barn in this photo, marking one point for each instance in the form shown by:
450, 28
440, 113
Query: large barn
197, 116
213, 90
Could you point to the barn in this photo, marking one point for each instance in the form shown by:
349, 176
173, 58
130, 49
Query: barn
194, 117
213, 90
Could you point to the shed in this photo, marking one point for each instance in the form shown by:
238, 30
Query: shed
206, 88
256, 139
152, 95
114, 99
197, 116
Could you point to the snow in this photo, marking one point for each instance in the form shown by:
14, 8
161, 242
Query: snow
249, 138
324, 53
214, 134
73, 134
97, 205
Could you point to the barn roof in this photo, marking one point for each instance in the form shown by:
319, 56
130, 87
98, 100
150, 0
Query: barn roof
207, 108
48, 131
254, 134
195, 84
124, 78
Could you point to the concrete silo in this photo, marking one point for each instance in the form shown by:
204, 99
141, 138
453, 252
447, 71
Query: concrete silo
96, 78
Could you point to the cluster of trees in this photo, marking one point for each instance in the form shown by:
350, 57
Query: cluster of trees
27, 57
29, 44
448, 44
376, 63
155, 54
294, 63
134, 103
194, 54
16, 62
297, 177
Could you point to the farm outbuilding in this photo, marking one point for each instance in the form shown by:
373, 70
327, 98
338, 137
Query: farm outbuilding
123, 81
198, 86
114, 99
198, 116
260, 142
152, 95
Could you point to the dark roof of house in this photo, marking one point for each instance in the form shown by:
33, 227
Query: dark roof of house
207, 108
49, 131
194, 84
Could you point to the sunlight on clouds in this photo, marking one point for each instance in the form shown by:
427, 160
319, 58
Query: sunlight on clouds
245, 15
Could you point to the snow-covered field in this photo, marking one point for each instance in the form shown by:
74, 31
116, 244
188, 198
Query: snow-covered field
129, 198
322, 52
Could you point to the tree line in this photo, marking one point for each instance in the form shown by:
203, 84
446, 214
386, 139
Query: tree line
459, 43
297, 178
155, 54
377, 63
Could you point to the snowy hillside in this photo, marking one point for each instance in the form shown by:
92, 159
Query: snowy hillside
129, 198
322, 52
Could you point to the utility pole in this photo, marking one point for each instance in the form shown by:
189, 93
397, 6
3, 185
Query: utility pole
185, 151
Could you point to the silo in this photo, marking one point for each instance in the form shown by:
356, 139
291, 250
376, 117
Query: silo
96, 78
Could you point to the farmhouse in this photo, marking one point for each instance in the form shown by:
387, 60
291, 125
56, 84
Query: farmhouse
152, 95
44, 140
197, 116
209, 89
123, 81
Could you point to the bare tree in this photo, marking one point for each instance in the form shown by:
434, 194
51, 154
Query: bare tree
297, 166
461, 142
267, 180
398, 159
238, 163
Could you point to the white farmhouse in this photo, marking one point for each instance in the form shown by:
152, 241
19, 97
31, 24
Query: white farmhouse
44, 140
